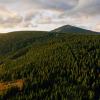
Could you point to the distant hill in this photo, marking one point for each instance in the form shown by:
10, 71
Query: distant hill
72, 29
13, 41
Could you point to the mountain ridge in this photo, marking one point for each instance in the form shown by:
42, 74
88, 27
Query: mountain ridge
62, 29
72, 29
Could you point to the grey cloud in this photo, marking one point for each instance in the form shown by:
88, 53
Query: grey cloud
85, 10
9, 18
10, 21
44, 4
6, 1
56, 4
43, 16
90, 7
34, 12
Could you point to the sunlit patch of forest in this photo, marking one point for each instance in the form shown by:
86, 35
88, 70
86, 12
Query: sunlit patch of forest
49, 66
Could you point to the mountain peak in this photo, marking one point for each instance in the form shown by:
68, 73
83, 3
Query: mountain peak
71, 29
68, 25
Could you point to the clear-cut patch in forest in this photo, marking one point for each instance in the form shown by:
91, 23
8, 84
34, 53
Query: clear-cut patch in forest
12, 85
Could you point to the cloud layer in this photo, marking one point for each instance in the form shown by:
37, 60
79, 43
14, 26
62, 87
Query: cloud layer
37, 14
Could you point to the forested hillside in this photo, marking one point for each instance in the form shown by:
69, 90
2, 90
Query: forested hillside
49, 66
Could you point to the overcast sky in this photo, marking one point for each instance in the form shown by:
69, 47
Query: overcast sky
48, 14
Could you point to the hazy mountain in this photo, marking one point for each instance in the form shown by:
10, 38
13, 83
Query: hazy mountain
72, 29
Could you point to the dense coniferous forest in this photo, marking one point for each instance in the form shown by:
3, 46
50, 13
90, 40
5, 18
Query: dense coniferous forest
49, 66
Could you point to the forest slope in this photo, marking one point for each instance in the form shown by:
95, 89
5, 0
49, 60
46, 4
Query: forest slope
52, 66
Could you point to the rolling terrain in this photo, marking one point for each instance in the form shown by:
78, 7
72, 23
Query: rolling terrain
55, 65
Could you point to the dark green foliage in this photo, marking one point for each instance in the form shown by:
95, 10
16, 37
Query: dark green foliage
54, 66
